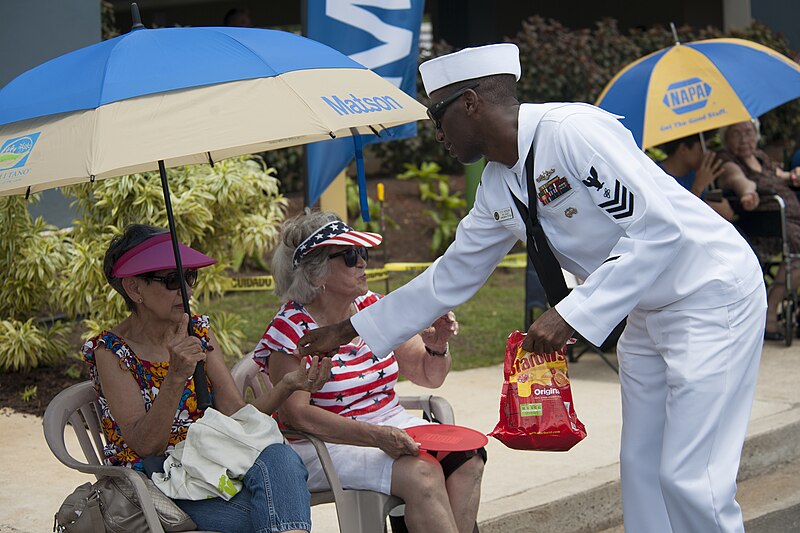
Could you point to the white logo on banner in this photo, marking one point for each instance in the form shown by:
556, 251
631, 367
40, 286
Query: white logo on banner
397, 41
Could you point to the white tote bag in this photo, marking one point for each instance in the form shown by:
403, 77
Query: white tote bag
216, 454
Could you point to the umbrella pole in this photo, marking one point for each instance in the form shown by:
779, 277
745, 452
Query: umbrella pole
200, 382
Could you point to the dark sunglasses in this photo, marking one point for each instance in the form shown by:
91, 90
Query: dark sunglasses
351, 255
172, 282
436, 111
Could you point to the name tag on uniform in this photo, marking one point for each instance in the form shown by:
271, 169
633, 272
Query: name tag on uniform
503, 214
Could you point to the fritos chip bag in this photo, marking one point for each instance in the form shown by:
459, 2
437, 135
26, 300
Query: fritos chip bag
536, 408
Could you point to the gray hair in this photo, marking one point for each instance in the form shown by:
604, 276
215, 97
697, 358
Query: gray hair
301, 284
723, 131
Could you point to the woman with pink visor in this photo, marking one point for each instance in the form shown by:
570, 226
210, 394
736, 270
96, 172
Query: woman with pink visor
143, 370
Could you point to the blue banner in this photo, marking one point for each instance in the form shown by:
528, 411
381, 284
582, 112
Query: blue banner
382, 35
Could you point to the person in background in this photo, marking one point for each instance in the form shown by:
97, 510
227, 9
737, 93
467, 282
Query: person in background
690, 285
319, 270
794, 162
237, 16
143, 371
746, 169
695, 170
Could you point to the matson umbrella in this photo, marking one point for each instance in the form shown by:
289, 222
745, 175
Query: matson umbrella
165, 97
698, 86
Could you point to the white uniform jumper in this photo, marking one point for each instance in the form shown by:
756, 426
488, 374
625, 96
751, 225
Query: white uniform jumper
647, 248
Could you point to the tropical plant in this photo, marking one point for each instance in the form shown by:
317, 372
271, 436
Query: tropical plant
435, 189
32, 255
26, 345
29, 393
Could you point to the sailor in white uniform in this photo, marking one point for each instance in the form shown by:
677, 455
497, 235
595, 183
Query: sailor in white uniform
691, 287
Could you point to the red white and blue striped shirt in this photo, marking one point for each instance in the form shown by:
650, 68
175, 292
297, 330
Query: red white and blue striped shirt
362, 386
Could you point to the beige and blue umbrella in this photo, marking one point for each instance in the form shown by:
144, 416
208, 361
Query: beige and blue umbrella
693, 87
157, 98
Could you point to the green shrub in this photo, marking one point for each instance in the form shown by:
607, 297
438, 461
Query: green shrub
25, 345
449, 207
32, 257
29, 393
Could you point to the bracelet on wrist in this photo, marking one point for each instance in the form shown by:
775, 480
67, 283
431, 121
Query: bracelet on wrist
438, 354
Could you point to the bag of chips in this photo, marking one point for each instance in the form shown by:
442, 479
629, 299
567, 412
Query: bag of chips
536, 408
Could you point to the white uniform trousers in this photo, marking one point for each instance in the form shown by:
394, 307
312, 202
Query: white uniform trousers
687, 378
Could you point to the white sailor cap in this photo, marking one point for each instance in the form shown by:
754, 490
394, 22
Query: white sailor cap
470, 63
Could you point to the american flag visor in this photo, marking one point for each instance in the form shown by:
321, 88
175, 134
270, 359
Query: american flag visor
335, 233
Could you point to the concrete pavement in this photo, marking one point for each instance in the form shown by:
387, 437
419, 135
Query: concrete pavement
572, 491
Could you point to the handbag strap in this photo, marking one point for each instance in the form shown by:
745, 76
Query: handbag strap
93, 512
545, 263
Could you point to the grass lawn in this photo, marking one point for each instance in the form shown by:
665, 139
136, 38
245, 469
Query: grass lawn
485, 320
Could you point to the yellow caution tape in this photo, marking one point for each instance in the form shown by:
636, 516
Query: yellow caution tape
252, 283
267, 283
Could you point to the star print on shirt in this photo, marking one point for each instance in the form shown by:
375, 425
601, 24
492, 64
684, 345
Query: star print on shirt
341, 362
340, 397
381, 374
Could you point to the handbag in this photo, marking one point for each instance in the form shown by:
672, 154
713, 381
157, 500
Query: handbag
111, 505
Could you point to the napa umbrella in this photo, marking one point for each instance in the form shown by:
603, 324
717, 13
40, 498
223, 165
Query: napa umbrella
157, 98
693, 87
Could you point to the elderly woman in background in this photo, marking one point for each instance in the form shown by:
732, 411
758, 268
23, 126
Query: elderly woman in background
746, 169
143, 369
319, 269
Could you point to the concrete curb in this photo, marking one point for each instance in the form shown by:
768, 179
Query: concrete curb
589, 503
773, 441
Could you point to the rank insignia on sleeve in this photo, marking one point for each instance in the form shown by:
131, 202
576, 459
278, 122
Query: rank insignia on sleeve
553, 189
621, 205
593, 180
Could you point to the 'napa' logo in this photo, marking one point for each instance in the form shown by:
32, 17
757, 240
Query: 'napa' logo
355, 105
687, 95
14, 152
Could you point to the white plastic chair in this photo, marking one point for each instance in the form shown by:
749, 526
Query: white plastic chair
77, 407
358, 511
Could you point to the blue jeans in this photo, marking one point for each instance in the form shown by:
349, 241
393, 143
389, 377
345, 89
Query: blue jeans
274, 498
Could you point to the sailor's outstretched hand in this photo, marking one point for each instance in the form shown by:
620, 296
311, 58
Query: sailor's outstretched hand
325, 341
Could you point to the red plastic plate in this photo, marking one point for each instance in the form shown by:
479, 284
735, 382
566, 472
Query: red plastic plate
447, 438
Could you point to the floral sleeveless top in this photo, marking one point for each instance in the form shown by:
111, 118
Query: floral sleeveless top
149, 375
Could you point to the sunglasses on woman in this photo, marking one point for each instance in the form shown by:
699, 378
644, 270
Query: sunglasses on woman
351, 255
172, 282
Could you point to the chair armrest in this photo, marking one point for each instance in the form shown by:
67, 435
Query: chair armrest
437, 408
324, 460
